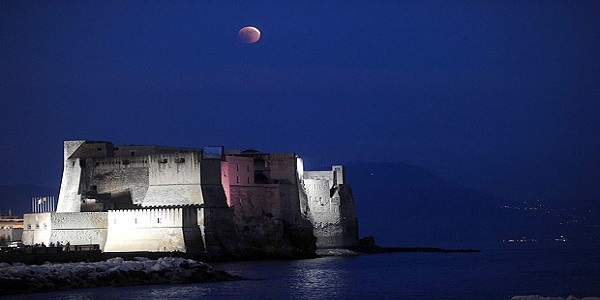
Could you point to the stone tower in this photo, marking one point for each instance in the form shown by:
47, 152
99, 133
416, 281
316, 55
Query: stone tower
331, 208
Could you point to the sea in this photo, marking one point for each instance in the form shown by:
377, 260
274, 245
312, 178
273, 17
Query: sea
489, 274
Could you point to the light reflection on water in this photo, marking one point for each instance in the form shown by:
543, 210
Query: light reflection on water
313, 283
486, 275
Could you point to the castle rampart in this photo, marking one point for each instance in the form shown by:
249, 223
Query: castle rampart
76, 228
149, 229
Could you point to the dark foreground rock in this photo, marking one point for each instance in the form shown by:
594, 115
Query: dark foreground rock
18, 278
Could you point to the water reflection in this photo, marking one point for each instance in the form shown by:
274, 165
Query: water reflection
487, 275
321, 278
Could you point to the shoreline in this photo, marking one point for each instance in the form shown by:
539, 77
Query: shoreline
36, 258
19, 278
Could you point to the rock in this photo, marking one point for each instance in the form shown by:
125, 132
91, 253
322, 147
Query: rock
336, 252
20, 278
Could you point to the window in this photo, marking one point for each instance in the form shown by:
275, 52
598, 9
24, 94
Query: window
159, 220
132, 153
135, 220
180, 160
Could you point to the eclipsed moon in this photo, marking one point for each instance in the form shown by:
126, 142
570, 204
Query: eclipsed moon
249, 34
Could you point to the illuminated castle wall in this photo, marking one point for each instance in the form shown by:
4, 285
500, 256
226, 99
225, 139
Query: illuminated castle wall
154, 198
331, 207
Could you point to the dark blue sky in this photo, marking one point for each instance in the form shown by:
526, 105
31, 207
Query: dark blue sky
502, 96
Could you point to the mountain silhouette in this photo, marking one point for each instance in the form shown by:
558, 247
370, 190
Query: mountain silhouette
405, 205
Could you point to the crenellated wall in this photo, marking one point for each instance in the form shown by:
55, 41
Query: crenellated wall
148, 229
77, 228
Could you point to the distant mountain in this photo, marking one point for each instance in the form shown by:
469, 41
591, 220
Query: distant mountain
17, 198
405, 205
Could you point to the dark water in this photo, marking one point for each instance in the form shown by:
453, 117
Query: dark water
491, 274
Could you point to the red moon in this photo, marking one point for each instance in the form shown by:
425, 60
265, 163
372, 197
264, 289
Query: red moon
249, 34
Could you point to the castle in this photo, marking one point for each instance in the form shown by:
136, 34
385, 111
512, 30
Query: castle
211, 201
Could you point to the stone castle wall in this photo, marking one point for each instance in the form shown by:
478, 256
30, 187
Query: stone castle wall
174, 176
348, 216
331, 208
117, 174
70, 187
150, 229
76, 228
238, 171
224, 203
255, 201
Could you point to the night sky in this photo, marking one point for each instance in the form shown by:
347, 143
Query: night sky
501, 96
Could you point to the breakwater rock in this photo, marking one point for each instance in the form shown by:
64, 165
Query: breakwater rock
18, 278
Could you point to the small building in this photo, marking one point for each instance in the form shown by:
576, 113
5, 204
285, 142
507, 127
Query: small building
11, 228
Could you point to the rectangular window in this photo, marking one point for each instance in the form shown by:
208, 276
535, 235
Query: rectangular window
132, 153
159, 220
135, 220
